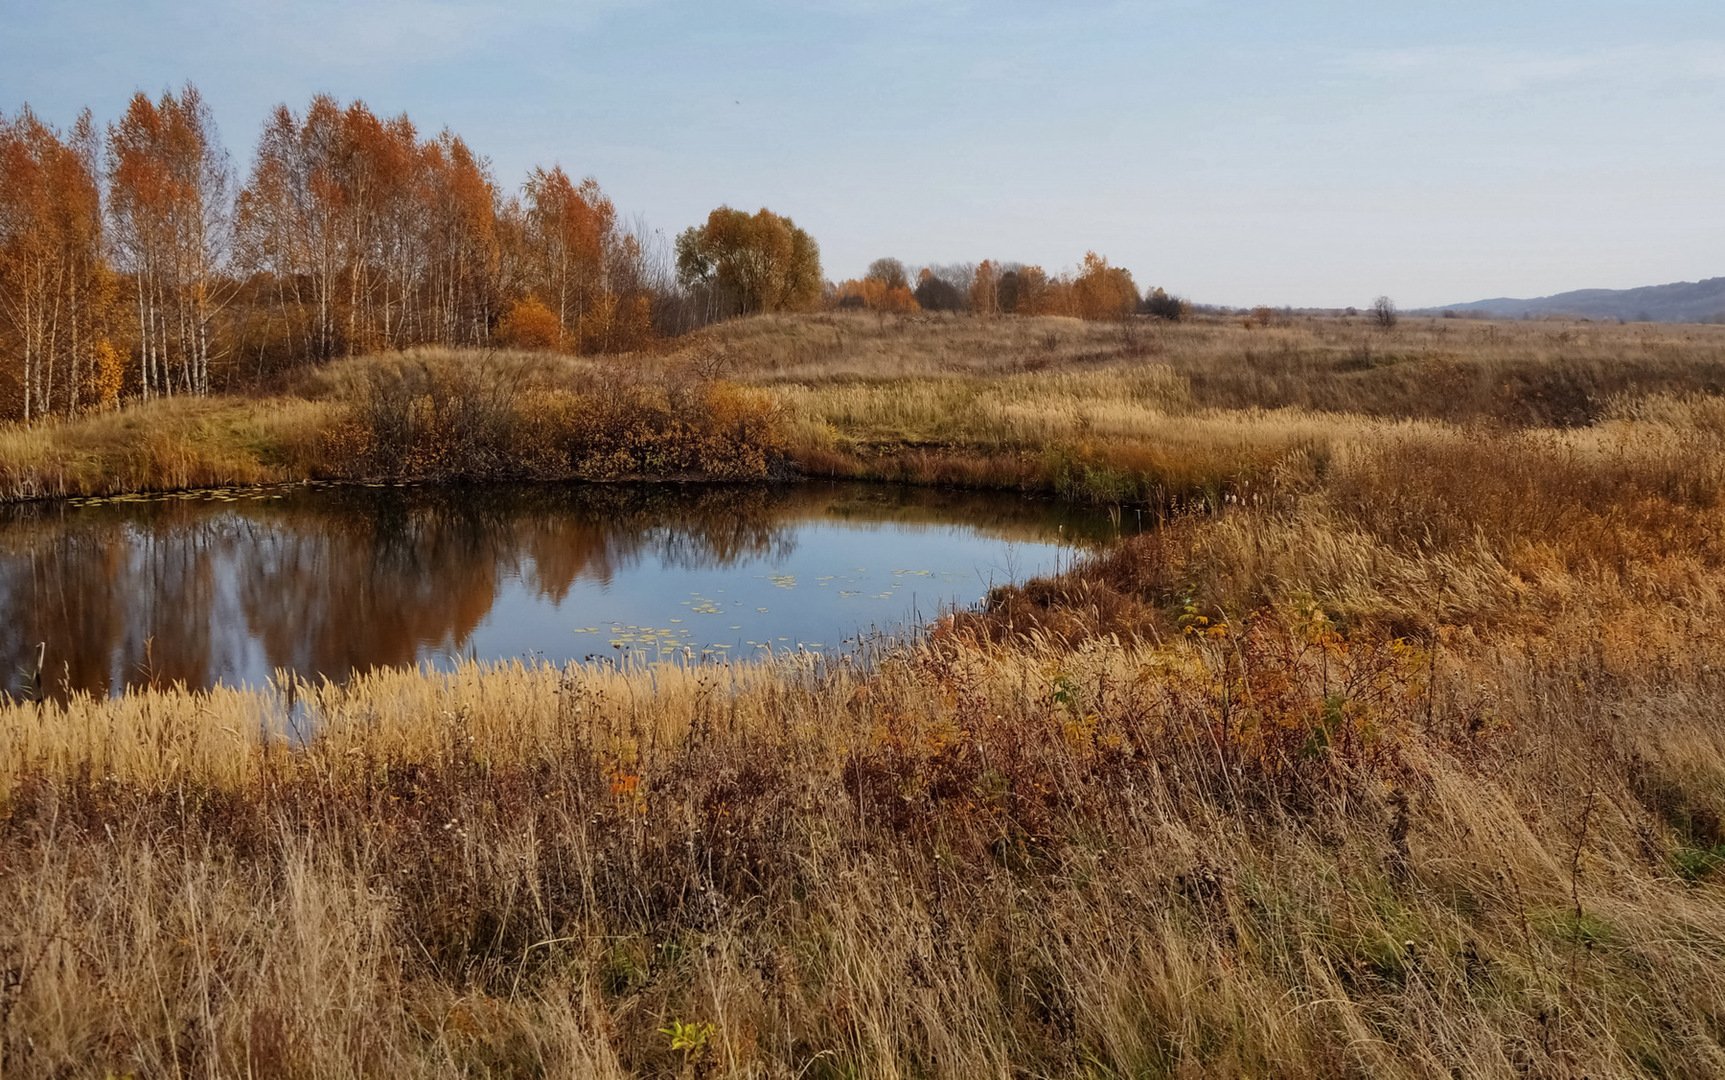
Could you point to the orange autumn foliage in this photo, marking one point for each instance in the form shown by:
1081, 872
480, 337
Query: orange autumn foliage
56, 291
528, 324
1101, 291
875, 294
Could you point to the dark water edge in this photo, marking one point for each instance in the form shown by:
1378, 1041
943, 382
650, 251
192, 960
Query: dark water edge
227, 587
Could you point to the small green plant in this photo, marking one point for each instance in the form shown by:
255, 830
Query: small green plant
1696, 864
1065, 692
689, 1037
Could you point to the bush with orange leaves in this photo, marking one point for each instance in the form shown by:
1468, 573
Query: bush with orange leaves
876, 295
529, 324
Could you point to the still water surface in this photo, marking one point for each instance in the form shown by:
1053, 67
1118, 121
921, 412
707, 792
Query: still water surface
230, 587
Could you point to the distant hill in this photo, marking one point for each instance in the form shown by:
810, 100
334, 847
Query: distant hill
1683, 301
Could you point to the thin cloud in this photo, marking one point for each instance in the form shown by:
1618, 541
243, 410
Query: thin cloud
338, 35
1499, 70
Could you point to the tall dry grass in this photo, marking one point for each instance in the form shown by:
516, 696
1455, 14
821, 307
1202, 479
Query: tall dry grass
164, 445
1274, 851
1404, 759
1409, 527
429, 415
441, 416
1177, 414
1535, 373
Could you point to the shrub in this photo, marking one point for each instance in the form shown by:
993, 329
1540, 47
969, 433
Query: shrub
432, 422
529, 324
1160, 305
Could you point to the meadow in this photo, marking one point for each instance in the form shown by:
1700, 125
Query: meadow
1395, 751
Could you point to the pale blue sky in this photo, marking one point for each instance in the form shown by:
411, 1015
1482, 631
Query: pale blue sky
1252, 152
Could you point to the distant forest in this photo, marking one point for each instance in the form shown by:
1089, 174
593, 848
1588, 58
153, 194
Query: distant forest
135, 263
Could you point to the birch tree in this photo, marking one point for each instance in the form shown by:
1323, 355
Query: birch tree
55, 290
170, 214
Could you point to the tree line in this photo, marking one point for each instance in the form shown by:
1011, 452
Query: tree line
1097, 290
135, 263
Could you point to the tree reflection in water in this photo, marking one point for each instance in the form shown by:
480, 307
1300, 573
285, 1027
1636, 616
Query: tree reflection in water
231, 587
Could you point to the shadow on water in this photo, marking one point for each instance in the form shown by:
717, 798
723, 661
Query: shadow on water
229, 587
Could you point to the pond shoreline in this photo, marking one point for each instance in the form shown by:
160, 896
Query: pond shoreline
895, 477
227, 586
322, 484
668, 483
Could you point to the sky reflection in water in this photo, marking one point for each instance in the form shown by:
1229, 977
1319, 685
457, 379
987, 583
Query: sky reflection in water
228, 588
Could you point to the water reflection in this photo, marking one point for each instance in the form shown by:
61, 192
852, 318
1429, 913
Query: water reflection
230, 587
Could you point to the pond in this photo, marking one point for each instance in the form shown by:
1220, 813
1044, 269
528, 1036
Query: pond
229, 587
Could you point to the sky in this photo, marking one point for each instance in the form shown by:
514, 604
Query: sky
1303, 152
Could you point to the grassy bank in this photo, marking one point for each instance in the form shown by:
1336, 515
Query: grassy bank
1168, 415
1405, 761
413, 417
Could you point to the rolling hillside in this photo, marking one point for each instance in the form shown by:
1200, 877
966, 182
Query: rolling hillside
1683, 301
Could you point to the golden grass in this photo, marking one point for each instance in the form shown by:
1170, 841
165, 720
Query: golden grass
1128, 859
1435, 368
1403, 760
162, 445
421, 416
1173, 415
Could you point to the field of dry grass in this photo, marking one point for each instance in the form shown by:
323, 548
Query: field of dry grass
1403, 758
1160, 414
1551, 373
1171, 414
